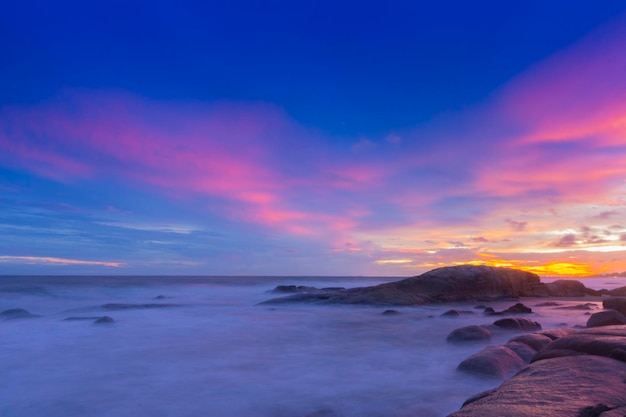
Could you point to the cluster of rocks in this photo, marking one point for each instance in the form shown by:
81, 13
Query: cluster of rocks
448, 284
558, 373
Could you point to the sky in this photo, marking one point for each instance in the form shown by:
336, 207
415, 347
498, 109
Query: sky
312, 138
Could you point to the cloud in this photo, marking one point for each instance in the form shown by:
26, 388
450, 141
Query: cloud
566, 241
516, 226
55, 261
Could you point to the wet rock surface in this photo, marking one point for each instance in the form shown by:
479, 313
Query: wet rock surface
606, 318
559, 387
469, 334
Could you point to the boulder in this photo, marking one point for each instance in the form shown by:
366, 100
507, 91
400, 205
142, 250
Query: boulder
451, 313
469, 334
493, 361
568, 288
518, 308
609, 341
449, 284
390, 312
556, 333
606, 318
522, 324
615, 303
561, 387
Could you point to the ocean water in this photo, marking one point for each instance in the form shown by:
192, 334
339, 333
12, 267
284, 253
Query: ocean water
219, 353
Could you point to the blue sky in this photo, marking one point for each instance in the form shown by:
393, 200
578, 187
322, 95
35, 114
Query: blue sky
331, 138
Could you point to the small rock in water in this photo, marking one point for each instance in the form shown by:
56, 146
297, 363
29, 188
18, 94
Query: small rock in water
518, 308
104, 320
517, 324
390, 312
81, 318
451, 313
17, 313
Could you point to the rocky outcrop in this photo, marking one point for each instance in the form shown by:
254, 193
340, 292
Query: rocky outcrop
569, 288
517, 324
560, 387
449, 284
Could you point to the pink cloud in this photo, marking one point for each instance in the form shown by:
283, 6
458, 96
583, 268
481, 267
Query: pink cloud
53, 260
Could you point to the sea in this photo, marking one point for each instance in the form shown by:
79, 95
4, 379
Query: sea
216, 351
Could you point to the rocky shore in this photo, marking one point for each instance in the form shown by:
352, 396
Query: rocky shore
552, 373
449, 284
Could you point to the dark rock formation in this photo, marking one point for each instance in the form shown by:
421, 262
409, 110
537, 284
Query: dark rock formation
518, 308
104, 320
569, 288
390, 312
522, 350
451, 313
469, 334
517, 324
586, 306
494, 361
81, 318
618, 292
615, 303
606, 318
561, 387
450, 284
16, 313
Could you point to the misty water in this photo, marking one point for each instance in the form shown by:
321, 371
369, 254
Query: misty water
219, 353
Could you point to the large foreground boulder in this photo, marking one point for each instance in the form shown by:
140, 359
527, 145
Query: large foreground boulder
562, 387
449, 284
494, 361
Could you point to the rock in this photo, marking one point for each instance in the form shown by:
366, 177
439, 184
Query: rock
489, 311
390, 312
569, 288
122, 306
548, 304
104, 320
517, 324
293, 289
599, 341
615, 303
522, 350
621, 291
606, 318
561, 387
16, 313
536, 341
469, 334
586, 306
556, 333
449, 284
451, 313
518, 308
493, 361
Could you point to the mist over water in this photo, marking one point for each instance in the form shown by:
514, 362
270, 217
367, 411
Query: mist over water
218, 353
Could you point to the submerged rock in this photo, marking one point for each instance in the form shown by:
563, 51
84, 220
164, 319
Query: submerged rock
17, 313
518, 308
390, 312
104, 320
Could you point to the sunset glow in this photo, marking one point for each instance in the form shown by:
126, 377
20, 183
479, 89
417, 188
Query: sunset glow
319, 163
